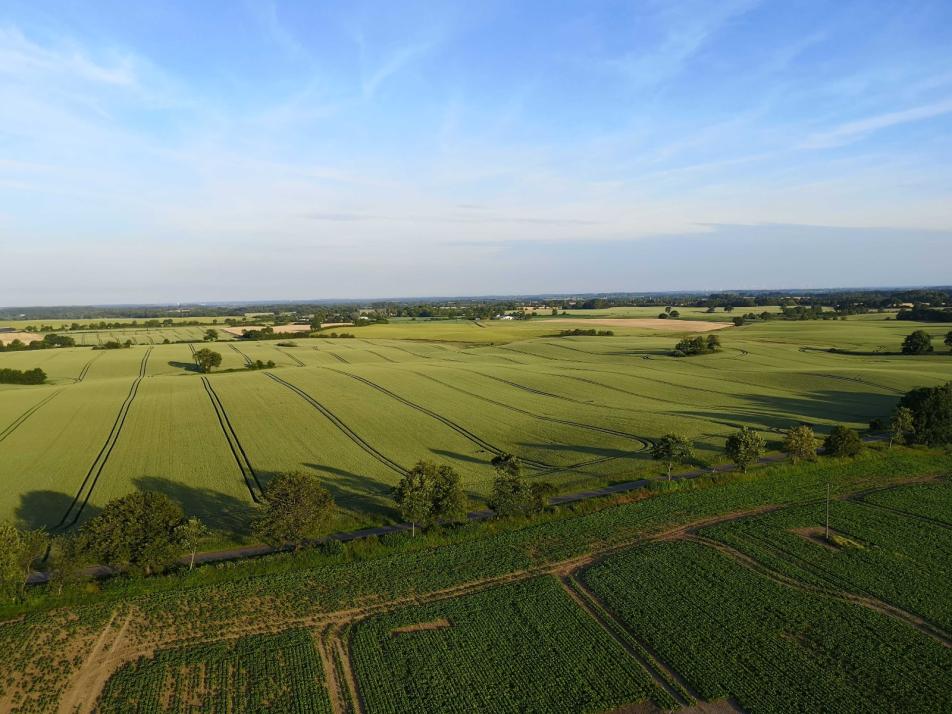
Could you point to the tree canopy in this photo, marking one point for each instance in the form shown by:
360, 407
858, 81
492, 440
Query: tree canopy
672, 449
801, 443
296, 509
745, 447
917, 343
931, 409
206, 359
137, 532
842, 441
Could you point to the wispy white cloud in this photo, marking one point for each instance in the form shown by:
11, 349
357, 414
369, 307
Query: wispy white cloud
399, 59
20, 56
857, 130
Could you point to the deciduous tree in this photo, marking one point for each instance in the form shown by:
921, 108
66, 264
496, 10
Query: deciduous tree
917, 343
801, 443
206, 359
745, 447
842, 441
672, 449
296, 509
901, 425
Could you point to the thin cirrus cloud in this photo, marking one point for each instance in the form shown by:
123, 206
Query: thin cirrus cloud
862, 128
503, 130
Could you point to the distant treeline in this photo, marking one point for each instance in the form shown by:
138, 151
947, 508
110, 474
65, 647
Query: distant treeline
923, 313
48, 342
17, 376
843, 302
586, 333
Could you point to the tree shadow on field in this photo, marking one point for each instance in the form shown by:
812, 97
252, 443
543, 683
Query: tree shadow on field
468, 458
634, 452
187, 366
217, 510
44, 509
778, 413
359, 493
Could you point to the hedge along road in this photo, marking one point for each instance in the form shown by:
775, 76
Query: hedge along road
254, 551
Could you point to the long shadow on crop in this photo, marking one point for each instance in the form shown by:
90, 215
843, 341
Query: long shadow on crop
465, 457
217, 510
783, 412
355, 492
187, 366
585, 450
43, 509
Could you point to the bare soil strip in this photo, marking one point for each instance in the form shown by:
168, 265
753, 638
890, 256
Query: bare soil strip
440, 624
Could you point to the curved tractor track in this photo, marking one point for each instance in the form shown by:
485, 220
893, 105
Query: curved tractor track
237, 450
336, 421
458, 428
643, 442
16, 423
82, 496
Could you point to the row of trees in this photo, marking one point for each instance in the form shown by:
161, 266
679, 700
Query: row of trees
146, 532
48, 342
22, 376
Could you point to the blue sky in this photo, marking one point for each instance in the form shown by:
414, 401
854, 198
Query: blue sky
178, 151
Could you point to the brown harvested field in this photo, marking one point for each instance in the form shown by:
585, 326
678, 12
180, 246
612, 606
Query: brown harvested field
645, 323
282, 329
24, 337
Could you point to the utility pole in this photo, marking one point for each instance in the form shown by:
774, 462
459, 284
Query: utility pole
827, 511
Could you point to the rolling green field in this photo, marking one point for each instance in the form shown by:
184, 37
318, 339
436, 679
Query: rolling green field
578, 411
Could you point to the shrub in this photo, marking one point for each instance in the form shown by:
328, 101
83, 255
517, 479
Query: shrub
842, 441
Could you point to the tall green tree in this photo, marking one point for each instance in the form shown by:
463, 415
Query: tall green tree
512, 495
842, 441
449, 501
948, 339
901, 425
917, 343
672, 449
931, 414
745, 447
138, 532
207, 359
801, 443
296, 509
430, 493
210, 335
66, 562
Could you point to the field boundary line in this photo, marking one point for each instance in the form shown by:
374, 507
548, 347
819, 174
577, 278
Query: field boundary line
99, 463
234, 444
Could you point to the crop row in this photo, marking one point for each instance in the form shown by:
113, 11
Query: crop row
903, 561
932, 501
522, 647
255, 673
190, 611
733, 633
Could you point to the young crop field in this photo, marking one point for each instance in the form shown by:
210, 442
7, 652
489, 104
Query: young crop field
901, 560
737, 634
251, 674
578, 411
524, 647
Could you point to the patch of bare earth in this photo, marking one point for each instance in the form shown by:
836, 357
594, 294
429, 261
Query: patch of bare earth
817, 535
646, 323
440, 624
24, 337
